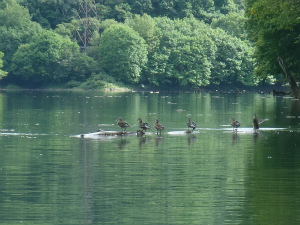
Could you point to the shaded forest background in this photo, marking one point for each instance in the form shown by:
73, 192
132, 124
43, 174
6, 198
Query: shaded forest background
154, 43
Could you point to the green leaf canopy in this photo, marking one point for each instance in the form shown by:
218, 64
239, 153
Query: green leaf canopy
123, 53
44, 58
275, 26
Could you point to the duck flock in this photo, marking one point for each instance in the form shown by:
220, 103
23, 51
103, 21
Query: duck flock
144, 126
190, 124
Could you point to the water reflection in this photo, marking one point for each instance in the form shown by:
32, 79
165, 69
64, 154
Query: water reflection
158, 140
143, 140
235, 137
88, 183
255, 136
122, 142
191, 139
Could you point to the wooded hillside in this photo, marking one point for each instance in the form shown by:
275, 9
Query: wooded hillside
92, 43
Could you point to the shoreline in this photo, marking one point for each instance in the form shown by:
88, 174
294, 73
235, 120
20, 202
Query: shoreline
209, 89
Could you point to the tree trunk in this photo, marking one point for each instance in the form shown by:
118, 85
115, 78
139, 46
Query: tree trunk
294, 87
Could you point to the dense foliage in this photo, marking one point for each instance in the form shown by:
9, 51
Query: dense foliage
49, 57
2, 73
123, 53
173, 43
51, 13
16, 28
275, 28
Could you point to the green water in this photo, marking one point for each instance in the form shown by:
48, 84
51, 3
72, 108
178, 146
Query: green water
49, 175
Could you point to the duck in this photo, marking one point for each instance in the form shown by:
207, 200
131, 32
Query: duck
235, 124
255, 122
191, 124
122, 124
144, 126
158, 126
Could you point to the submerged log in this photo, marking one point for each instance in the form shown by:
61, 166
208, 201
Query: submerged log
189, 131
109, 133
140, 133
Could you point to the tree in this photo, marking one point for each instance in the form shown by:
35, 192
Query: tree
106, 23
233, 23
188, 52
233, 63
13, 15
16, 28
77, 31
275, 27
2, 73
141, 6
48, 58
192, 53
180, 55
147, 28
144, 25
123, 53
50, 13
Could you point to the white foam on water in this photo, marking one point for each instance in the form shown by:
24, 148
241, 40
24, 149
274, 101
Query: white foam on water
225, 129
20, 134
184, 132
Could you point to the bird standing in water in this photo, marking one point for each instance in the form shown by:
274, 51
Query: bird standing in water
122, 124
191, 124
235, 124
158, 126
142, 125
255, 122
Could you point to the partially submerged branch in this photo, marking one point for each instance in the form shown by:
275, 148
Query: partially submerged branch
294, 87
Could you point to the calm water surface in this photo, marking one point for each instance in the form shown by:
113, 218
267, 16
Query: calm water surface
49, 175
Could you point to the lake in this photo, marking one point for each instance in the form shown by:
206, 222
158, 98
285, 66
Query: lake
212, 176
